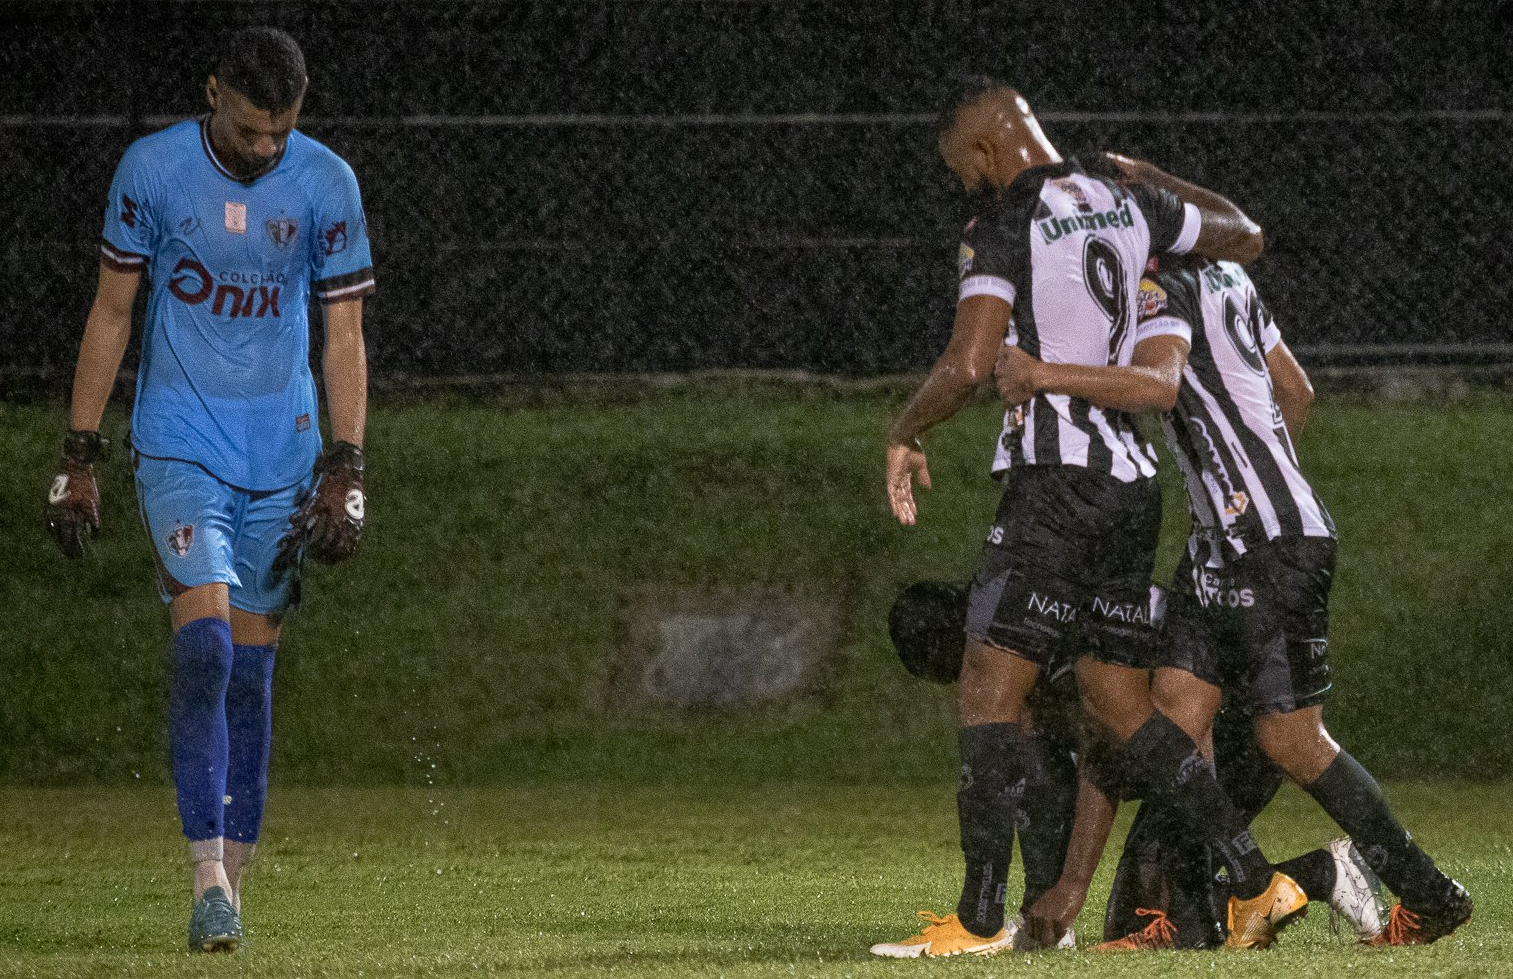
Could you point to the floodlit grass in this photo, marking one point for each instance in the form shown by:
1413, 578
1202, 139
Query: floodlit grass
457, 645
582, 880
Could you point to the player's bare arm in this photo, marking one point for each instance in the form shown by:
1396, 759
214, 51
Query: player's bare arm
1290, 386
1150, 383
1092, 822
344, 365
106, 333
981, 324
1227, 233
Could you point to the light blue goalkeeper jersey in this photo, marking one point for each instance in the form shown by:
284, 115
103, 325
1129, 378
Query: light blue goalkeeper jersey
225, 379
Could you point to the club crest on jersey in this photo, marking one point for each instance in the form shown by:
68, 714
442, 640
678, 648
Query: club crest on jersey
1073, 189
1239, 502
236, 218
964, 256
181, 539
1151, 301
281, 231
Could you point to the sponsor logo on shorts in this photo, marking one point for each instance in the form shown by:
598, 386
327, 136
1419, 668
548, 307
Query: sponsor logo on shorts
964, 256
181, 539
1128, 612
302, 422
1062, 612
1213, 590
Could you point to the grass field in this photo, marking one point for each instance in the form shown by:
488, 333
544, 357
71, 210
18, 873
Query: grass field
457, 645
584, 880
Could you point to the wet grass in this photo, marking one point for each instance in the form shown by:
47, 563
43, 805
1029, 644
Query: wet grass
459, 644
592, 879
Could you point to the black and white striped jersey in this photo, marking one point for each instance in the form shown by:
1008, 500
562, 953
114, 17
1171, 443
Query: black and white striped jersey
1066, 251
1227, 433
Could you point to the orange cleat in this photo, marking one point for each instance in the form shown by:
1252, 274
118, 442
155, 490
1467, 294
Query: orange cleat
1256, 922
1406, 927
943, 936
1158, 936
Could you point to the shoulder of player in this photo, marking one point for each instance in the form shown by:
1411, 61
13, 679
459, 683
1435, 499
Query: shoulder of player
1168, 287
1006, 215
156, 150
319, 161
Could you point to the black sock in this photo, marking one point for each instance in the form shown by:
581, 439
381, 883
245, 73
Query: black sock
1314, 872
987, 803
1045, 814
1351, 797
1168, 763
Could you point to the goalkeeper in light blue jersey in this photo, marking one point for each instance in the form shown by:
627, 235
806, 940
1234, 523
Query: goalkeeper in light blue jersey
236, 219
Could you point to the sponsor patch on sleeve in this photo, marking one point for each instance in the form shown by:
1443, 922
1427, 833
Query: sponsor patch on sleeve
1151, 301
964, 257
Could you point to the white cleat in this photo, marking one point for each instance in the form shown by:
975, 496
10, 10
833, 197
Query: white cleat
1020, 941
1356, 898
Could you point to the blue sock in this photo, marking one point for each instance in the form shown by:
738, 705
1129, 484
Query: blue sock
249, 721
197, 724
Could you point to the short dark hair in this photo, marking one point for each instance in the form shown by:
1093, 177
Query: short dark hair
965, 90
264, 64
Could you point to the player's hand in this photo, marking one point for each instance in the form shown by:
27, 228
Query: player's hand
1014, 373
906, 462
73, 499
1050, 917
329, 521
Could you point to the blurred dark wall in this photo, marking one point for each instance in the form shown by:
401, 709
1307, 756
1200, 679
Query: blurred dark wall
1373, 145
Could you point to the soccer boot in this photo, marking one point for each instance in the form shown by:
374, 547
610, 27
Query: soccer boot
214, 925
941, 937
1158, 936
1356, 898
1256, 922
1020, 940
1405, 927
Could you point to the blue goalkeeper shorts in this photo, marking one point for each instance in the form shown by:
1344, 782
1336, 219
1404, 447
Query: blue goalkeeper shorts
204, 531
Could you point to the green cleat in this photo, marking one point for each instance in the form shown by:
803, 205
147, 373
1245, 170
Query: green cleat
214, 925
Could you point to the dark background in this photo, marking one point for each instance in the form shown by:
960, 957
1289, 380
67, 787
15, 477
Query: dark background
689, 229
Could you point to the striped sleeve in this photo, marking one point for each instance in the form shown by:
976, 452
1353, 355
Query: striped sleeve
131, 221
1166, 306
341, 260
991, 259
1271, 334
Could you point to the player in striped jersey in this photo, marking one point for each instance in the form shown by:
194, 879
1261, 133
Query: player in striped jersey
1249, 608
1067, 564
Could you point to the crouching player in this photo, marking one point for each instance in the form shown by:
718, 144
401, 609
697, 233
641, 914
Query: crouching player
236, 218
1250, 608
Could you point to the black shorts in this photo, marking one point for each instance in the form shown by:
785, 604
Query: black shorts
1067, 567
1258, 628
